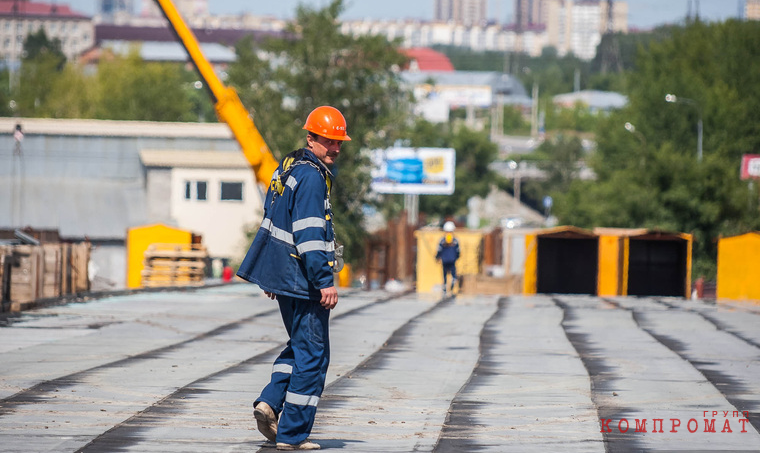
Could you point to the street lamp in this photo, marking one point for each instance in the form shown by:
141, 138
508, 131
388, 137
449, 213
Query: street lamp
675, 99
514, 166
632, 129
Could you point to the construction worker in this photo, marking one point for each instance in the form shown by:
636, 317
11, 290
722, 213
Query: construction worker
448, 254
292, 258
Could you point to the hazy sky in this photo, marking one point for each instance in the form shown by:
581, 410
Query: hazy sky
641, 13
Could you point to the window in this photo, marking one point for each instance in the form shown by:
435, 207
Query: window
200, 190
232, 191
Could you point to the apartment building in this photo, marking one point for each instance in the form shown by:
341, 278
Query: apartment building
752, 9
465, 12
21, 18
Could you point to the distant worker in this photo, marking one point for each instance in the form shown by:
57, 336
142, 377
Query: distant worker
292, 258
448, 254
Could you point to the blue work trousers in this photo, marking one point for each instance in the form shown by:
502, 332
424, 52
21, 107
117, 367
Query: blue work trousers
298, 375
449, 268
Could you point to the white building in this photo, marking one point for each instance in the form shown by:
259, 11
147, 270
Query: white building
569, 26
21, 18
95, 179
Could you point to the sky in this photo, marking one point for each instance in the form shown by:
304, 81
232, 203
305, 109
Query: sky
642, 14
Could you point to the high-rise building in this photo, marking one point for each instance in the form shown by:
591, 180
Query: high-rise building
752, 9
188, 9
466, 12
111, 11
529, 13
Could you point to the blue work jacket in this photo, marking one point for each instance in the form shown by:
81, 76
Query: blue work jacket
294, 249
448, 253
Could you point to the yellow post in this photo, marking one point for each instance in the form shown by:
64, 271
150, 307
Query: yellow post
530, 278
608, 282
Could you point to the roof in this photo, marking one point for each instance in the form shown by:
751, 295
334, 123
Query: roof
47, 126
499, 82
427, 59
596, 100
566, 231
170, 51
36, 9
229, 37
171, 158
641, 233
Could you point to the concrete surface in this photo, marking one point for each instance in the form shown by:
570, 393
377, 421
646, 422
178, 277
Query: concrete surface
178, 371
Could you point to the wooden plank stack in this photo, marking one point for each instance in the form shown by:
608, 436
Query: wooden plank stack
31, 272
174, 265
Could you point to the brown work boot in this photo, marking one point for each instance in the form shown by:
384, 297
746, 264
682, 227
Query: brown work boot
305, 445
266, 421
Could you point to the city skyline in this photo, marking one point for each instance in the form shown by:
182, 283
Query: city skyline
643, 14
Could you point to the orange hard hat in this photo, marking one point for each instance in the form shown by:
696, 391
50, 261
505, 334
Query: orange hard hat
328, 122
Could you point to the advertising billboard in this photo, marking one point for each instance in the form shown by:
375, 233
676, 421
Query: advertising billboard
422, 171
751, 166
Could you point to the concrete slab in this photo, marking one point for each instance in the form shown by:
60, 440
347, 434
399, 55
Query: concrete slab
178, 371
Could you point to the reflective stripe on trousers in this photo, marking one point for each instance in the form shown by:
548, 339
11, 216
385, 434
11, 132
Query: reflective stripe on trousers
298, 375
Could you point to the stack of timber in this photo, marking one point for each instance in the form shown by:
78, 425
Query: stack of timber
485, 284
174, 265
32, 272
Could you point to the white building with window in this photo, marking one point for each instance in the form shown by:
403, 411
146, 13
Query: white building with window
210, 193
21, 18
94, 179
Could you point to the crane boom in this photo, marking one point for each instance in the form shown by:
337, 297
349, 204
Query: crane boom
229, 108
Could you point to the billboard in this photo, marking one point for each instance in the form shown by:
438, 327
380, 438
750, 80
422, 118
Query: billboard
422, 171
751, 166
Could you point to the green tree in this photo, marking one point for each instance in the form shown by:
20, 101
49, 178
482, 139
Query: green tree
40, 70
319, 65
127, 88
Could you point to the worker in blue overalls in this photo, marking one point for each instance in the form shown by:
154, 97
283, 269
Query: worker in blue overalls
448, 254
292, 258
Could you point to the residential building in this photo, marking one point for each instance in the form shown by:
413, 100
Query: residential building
112, 11
465, 12
752, 9
577, 26
21, 18
437, 92
530, 13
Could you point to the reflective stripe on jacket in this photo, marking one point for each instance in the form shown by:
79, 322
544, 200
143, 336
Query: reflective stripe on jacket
294, 249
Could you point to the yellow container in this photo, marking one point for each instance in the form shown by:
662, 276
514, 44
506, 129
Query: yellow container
138, 240
627, 266
739, 267
430, 271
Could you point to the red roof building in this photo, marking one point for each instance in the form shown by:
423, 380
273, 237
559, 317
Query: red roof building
19, 18
28, 9
427, 59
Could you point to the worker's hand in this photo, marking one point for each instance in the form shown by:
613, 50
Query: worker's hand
270, 295
329, 297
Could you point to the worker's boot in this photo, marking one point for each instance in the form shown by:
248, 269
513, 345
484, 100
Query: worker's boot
266, 420
305, 445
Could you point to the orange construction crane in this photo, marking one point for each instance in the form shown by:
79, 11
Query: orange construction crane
227, 103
